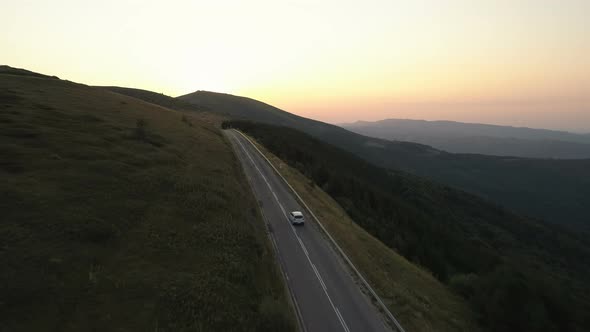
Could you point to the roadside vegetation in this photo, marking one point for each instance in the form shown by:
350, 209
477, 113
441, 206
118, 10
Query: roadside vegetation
417, 299
517, 274
120, 215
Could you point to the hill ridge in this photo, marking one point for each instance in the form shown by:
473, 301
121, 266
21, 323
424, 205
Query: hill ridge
541, 188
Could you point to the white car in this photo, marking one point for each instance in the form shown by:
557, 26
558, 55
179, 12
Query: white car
296, 218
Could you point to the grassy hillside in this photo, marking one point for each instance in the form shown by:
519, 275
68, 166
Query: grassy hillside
417, 299
553, 190
517, 273
119, 215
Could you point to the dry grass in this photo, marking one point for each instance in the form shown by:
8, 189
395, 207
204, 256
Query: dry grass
417, 299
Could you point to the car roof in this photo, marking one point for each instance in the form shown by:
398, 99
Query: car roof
296, 213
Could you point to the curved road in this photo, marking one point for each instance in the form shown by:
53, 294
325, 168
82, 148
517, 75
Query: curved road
325, 295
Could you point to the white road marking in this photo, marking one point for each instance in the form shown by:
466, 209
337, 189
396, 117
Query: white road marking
319, 277
317, 273
342, 320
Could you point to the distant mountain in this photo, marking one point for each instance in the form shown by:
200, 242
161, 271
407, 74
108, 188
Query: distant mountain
495, 140
553, 190
473, 129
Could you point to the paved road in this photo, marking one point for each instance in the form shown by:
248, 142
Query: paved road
326, 296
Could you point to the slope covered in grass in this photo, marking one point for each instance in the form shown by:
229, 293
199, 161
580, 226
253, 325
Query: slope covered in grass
553, 190
157, 99
242, 107
416, 298
117, 214
518, 274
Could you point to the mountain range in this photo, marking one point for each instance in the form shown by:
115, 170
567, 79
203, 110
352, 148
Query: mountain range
458, 137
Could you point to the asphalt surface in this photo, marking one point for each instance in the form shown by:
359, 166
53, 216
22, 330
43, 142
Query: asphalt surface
322, 287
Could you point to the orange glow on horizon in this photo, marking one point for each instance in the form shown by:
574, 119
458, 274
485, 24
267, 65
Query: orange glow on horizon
521, 63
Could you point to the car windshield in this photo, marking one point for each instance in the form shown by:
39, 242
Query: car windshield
299, 217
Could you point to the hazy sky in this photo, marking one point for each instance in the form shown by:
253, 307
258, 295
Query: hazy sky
519, 62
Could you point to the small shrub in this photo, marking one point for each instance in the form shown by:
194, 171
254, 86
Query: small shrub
44, 107
186, 120
464, 284
140, 129
95, 231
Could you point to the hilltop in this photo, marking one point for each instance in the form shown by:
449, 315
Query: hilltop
7, 70
157, 99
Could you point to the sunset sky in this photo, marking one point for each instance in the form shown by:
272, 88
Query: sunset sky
523, 62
